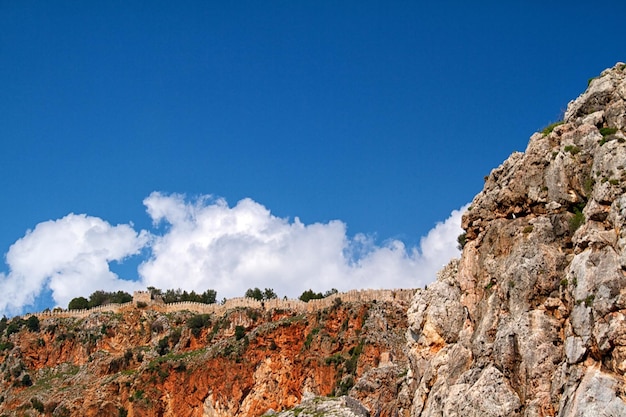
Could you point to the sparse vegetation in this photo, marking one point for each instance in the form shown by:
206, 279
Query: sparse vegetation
578, 219
548, 129
310, 336
607, 131
240, 332
197, 323
572, 149
32, 324
163, 346
461, 240
37, 404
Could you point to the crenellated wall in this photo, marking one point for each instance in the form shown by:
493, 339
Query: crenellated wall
402, 295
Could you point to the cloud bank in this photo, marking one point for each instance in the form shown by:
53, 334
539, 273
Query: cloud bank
206, 244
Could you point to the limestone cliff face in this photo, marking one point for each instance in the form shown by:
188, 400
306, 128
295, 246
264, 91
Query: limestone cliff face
531, 321
142, 362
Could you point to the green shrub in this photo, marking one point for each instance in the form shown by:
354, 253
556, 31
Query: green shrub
78, 303
335, 359
548, 129
310, 336
163, 346
32, 324
588, 185
175, 336
309, 294
240, 332
577, 220
197, 323
461, 240
14, 326
344, 386
573, 149
607, 131
137, 395
26, 381
37, 405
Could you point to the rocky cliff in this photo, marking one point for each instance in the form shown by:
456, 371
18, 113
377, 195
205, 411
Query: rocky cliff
531, 321
245, 362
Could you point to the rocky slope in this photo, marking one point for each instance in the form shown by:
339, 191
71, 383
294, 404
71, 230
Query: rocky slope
532, 320
141, 362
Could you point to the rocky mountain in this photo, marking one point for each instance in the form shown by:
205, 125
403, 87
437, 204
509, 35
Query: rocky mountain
163, 360
531, 321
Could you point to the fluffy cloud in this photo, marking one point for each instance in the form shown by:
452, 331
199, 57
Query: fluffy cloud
206, 244
70, 256
211, 245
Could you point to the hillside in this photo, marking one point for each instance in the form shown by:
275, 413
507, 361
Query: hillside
242, 361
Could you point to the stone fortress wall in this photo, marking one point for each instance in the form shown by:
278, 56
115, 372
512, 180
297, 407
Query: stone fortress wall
143, 299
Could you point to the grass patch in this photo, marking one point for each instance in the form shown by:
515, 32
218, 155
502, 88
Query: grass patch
577, 220
607, 131
572, 149
310, 336
548, 129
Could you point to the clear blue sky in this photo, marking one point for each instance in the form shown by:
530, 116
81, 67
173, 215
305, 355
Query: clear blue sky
383, 115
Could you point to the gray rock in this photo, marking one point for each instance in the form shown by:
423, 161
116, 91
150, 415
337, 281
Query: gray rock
531, 321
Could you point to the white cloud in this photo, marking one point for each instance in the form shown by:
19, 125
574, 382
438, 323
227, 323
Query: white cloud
70, 256
207, 244
230, 249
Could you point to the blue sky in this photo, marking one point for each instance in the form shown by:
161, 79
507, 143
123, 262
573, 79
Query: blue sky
372, 121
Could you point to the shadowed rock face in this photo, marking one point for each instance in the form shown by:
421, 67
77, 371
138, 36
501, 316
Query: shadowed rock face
531, 321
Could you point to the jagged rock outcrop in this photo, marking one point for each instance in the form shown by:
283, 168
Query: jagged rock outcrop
531, 321
325, 407
144, 362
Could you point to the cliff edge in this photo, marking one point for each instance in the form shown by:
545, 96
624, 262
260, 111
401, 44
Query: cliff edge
531, 320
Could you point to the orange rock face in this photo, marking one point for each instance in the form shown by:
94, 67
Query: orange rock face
146, 363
